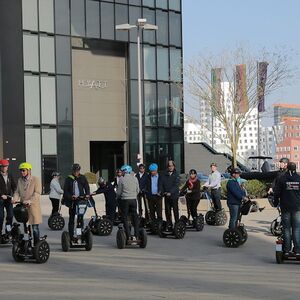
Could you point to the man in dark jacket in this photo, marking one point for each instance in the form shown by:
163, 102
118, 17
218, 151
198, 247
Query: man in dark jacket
142, 178
170, 189
7, 189
235, 195
76, 185
287, 195
283, 162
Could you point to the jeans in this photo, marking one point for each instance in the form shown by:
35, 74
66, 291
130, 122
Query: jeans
55, 206
169, 204
36, 233
9, 212
291, 230
216, 198
129, 207
234, 213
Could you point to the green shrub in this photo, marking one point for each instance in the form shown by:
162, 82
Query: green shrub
223, 189
91, 177
256, 188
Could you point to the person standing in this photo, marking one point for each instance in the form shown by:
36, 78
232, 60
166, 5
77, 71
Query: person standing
7, 189
170, 190
55, 193
214, 185
28, 192
142, 178
283, 163
287, 196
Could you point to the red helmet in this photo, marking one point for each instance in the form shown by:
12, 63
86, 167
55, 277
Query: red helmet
4, 162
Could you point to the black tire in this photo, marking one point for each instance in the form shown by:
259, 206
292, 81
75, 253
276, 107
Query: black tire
56, 222
41, 252
93, 224
15, 252
179, 230
104, 227
199, 222
244, 234
15, 233
143, 238
232, 238
154, 227
88, 238
276, 228
279, 257
221, 218
121, 239
65, 241
161, 227
210, 217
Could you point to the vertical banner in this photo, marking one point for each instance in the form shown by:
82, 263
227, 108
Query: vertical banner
241, 89
261, 85
216, 90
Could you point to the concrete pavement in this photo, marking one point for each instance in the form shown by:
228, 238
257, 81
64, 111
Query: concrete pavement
197, 267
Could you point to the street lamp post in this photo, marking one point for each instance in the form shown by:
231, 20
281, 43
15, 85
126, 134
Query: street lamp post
141, 24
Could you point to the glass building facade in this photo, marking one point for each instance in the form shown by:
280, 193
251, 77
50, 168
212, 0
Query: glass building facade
41, 39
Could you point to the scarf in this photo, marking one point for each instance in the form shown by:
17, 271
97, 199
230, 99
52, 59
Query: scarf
191, 183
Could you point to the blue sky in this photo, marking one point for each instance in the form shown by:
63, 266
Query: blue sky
213, 25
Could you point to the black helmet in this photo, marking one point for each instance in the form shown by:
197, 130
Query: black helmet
235, 171
55, 174
284, 160
21, 213
292, 167
76, 167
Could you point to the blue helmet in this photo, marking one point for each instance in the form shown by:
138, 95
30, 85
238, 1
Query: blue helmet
126, 169
153, 167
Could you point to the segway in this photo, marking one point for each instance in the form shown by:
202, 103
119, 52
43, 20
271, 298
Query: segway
281, 256
235, 237
213, 216
56, 221
83, 237
100, 225
276, 225
22, 247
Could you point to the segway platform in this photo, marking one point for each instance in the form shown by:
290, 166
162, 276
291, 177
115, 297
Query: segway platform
123, 240
177, 231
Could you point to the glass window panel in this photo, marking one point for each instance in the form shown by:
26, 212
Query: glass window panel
46, 15
135, 2
150, 104
121, 1
163, 31
151, 136
163, 153
64, 100
32, 99
150, 153
49, 141
175, 29
149, 35
163, 135
134, 145
177, 157
134, 102
47, 56
121, 18
149, 3
31, 52
107, 21
177, 135
77, 18
30, 15
134, 14
176, 106
175, 5
149, 63
92, 19
63, 56
62, 17
175, 65
33, 149
163, 104
162, 63
162, 4
48, 100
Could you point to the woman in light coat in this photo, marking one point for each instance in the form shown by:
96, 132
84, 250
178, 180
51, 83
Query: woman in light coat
55, 193
29, 193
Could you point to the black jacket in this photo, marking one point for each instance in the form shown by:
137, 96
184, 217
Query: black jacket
83, 186
142, 181
194, 193
9, 188
108, 191
280, 173
170, 184
287, 192
149, 186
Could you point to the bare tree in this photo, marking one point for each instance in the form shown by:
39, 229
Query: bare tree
199, 85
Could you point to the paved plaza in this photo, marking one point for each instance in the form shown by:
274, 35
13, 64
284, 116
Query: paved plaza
197, 267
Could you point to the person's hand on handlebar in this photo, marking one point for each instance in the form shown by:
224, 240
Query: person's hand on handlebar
27, 202
4, 197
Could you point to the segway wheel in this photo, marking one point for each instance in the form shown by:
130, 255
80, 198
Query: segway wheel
143, 238
155, 226
15, 233
16, 253
41, 252
232, 238
56, 222
179, 230
105, 227
275, 228
161, 227
221, 218
121, 239
199, 223
279, 257
88, 238
65, 241
244, 234
210, 217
